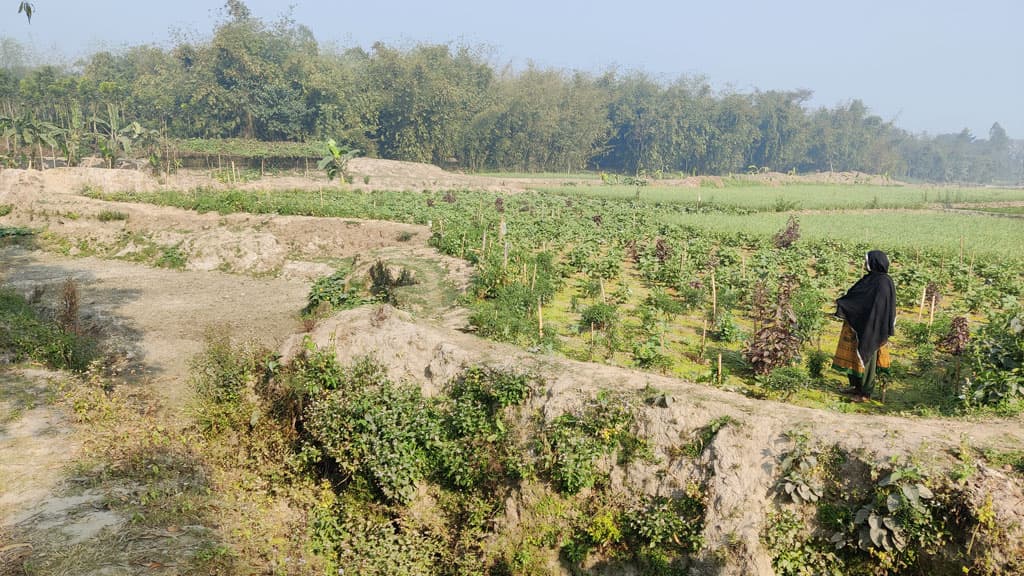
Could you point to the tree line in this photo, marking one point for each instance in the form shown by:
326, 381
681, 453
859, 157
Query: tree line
448, 105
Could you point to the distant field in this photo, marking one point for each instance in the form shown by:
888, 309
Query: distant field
543, 175
983, 235
801, 196
1002, 209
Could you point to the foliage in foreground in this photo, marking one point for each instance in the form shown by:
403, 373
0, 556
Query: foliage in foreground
26, 333
838, 514
388, 451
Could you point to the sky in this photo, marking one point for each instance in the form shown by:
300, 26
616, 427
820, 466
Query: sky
933, 67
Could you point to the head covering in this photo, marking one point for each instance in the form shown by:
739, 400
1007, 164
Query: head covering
869, 306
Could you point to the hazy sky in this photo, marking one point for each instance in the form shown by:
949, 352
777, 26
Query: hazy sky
931, 66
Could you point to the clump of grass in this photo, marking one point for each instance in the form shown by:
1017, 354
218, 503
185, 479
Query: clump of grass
6, 209
25, 334
111, 216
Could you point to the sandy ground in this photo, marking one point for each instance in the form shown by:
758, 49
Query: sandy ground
251, 274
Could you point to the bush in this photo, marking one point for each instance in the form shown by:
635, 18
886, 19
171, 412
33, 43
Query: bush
476, 449
817, 362
783, 381
600, 316
574, 441
996, 359
381, 432
335, 291
222, 371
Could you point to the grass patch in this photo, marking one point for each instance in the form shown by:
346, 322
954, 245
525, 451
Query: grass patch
25, 334
111, 216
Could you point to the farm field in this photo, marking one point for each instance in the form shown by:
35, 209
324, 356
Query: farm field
561, 384
650, 268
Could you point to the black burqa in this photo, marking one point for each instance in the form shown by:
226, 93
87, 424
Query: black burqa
869, 306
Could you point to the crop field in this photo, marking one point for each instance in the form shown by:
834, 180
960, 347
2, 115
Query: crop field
747, 196
684, 290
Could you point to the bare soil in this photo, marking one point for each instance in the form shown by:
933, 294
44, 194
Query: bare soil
251, 274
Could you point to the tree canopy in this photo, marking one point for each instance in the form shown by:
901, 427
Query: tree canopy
447, 105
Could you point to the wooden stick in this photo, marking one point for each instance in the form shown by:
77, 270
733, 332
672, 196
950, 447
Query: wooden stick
533, 283
961, 249
601, 281
920, 311
703, 338
504, 261
714, 296
719, 368
540, 318
483, 244
931, 317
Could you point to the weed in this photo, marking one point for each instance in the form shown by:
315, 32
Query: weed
171, 257
705, 434
111, 216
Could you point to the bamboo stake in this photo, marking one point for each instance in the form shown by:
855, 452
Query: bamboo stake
601, 282
920, 310
504, 261
321, 198
533, 283
961, 249
703, 338
931, 317
483, 245
540, 318
592, 335
719, 368
714, 296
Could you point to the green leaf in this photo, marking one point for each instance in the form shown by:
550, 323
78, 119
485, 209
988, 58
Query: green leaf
893, 502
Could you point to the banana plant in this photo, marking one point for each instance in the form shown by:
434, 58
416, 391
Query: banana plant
335, 163
26, 131
114, 137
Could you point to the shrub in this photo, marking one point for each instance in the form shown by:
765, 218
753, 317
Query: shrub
383, 282
996, 360
221, 372
335, 291
476, 448
574, 441
600, 316
783, 381
817, 362
381, 432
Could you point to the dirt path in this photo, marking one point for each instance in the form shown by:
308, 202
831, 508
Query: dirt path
248, 274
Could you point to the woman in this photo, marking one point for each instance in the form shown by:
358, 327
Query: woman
868, 312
